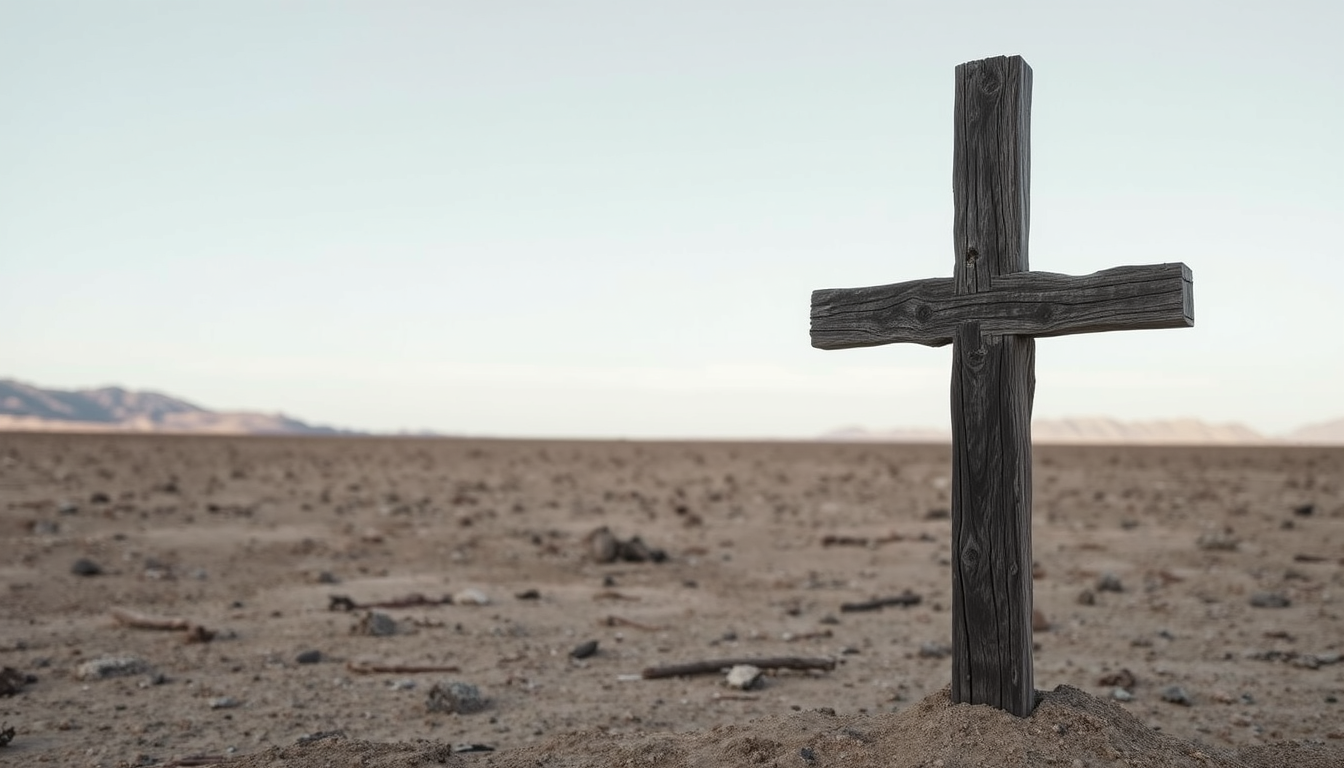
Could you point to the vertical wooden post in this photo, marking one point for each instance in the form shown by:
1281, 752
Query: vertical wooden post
993, 382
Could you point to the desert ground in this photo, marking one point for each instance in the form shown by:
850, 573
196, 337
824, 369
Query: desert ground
1206, 583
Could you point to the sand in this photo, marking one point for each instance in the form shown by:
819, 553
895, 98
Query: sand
247, 540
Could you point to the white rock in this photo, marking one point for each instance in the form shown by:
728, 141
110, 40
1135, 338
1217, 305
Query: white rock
743, 676
471, 596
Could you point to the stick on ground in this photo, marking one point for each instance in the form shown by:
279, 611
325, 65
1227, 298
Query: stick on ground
715, 666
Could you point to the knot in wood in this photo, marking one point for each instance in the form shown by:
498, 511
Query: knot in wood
923, 313
1044, 312
971, 256
989, 81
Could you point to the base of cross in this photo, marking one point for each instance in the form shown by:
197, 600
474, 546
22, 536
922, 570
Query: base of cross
991, 310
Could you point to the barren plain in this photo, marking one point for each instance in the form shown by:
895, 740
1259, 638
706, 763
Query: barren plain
329, 592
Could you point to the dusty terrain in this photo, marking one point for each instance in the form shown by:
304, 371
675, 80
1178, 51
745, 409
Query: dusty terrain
250, 538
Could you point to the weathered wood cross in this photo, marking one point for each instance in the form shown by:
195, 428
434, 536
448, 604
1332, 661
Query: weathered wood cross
990, 310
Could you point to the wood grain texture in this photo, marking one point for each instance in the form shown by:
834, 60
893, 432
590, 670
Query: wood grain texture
1030, 303
993, 378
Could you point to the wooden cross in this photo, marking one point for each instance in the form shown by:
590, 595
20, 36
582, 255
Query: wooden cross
990, 310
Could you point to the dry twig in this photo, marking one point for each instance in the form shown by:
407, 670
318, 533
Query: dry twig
904, 599
715, 666
195, 633
368, 667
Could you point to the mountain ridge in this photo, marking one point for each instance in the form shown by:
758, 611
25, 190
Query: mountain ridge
25, 407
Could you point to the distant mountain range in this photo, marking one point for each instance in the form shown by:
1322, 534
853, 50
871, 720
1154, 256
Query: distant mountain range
1106, 430
24, 407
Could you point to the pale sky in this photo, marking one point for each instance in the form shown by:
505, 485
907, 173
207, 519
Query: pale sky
605, 219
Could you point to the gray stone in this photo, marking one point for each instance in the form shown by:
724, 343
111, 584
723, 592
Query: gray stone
111, 666
311, 656
1270, 600
375, 624
455, 697
1177, 695
1109, 582
86, 567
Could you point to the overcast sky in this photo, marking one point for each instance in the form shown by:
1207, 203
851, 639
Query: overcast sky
606, 218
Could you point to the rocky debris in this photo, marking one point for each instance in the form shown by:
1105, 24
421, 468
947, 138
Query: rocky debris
311, 656
584, 650
374, 624
44, 528
99, 497
12, 681
470, 596
67, 508
1222, 540
465, 748
1122, 679
1304, 510
1177, 695
1087, 597
224, 702
1304, 660
86, 567
528, 594
1270, 600
455, 697
1109, 582
1122, 694
111, 666
743, 677
605, 547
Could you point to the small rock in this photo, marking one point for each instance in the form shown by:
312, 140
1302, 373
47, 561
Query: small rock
940, 513
453, 696
1087, 597
528, 594
375, 624
467, 748
311, 656
808, 755
471, 596
326, 577
45, 527
1109, 582
1304, 510
584, 650
86, 567
603, 545
1270, 600
743, 677
934, 651
111, 666
224, 702
68, 508
1122, 679
1177, 695
1039, 623
99, 497
1121, 694
1223, 540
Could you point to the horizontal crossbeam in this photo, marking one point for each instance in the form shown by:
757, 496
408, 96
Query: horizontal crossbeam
1021, 303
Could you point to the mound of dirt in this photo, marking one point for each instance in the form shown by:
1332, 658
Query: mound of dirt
1068, 728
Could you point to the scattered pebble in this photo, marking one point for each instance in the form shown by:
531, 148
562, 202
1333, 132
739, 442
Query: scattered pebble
111, 666
1121, 694
934, 651
465, 748
471, 596
528, 594
68, 508
1039, 622
326, 577
1223, 540
1122, 679
1304, 510
224, 702
743, 677
311, 656
375, 624
98, 497
1109, 582
86, 567
1270, 600
1177, 695
45, 527
584, 650
1087, 597
454, 696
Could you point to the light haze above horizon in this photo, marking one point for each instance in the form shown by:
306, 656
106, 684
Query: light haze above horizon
605, 219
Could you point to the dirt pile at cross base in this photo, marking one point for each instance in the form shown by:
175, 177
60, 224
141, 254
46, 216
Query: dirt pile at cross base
1068, 728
